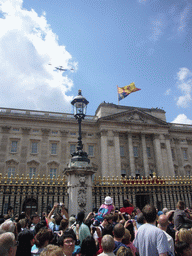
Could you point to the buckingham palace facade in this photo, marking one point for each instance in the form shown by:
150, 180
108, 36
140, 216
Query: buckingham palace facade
119, 140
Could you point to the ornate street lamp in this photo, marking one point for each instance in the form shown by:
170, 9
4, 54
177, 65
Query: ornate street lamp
79, 158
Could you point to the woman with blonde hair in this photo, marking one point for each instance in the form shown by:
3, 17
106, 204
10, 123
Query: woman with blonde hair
123, 251
184, 235
52, 250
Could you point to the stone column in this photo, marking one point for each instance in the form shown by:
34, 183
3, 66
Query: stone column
104, 154
179, 156
44, 150
145, 157
169, 155
24, 150
63, 155
4, 147
131, 155
158, 155
79, 189
117, 154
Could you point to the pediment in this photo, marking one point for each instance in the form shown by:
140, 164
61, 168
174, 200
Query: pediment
53, 163
33, 162
135, 116
11, 162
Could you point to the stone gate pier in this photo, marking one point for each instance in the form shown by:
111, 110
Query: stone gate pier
79, 182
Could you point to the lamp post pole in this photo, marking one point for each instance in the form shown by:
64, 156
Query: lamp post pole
79, 106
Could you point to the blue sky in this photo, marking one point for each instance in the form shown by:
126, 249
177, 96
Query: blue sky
107, 43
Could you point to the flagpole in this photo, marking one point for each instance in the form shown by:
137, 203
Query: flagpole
117, 95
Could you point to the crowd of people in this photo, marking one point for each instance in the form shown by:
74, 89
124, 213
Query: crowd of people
106, 231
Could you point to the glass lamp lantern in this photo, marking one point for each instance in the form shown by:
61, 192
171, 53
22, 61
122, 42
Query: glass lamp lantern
79, 105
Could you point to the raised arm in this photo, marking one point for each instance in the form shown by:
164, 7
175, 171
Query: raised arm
51, 212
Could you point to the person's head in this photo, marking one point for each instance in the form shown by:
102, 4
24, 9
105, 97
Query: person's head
35, 218
80, 217
165, 210
72, 220
52, 250
8, 244
9, 226
119, 231
108, 230
108, 218
137, 210
126, 237
140, 218
150, 213
43, 237
25, 242
180, 205
126, 203
67, 242
58, 218
163, 221
124, 251
40, 225
88, 246
108, 200
107, 243
23, 223
63, 224
185, 235
183, 249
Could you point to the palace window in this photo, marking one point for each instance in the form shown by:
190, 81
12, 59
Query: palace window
122, 151
35, 130
53, 148
54, 132
14, 145
148, 152
34, 147
185, 156
173, 154
11, 171
32, 171
53, 172
16, 129
72, 148
91, 150
135, 151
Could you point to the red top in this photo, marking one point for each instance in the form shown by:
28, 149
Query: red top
128, 210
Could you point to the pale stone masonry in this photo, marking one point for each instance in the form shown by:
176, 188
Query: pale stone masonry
40, 142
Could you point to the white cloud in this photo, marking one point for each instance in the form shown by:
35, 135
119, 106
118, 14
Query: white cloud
184, 84
183, 74
168, 91
142, 1
157, 27
182, 119
27, 45
183, 18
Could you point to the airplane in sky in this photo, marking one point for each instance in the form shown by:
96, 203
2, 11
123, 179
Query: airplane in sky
60, 68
